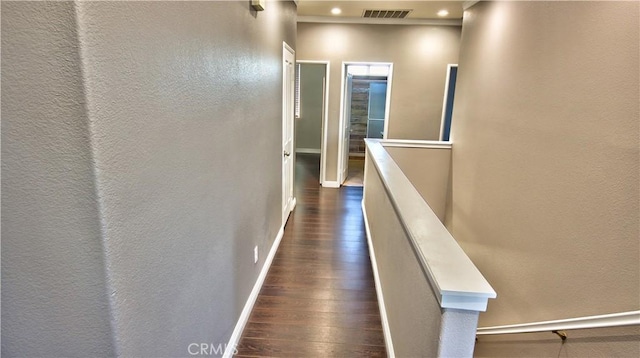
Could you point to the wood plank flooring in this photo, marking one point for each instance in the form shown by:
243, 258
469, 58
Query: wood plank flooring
319, 298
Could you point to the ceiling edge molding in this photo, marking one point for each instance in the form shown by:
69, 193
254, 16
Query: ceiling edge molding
468, 4
374, 21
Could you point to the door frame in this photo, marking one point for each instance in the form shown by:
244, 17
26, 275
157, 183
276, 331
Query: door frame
387, 110
325, 116
444, 101
288, 205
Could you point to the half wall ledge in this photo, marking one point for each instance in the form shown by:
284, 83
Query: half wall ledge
430, 292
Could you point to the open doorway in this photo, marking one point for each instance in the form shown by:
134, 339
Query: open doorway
364, 114
447, 104
312, 83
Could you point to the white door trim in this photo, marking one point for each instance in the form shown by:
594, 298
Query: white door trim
339, 172
340, 121
288, 97
325, 118
387, 111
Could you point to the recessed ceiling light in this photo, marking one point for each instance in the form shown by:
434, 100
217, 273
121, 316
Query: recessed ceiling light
336, 11
443, 13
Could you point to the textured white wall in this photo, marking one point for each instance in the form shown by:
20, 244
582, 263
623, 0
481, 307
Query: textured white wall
546, 157
182, 130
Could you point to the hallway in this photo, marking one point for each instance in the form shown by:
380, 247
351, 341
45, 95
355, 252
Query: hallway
319, 298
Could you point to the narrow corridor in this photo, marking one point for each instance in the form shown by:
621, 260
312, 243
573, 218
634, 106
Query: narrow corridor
319, 298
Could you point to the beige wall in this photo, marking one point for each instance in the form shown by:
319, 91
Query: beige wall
309, 125
545, 180
420, 55
132, 138
428, 170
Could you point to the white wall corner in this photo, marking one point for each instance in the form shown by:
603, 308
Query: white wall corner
457, 333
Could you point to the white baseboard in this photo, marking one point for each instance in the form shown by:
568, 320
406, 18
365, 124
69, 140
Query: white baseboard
330, 184
248, 307
386, 330
308, 150
292, 206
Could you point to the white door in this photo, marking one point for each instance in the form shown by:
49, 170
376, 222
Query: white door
288, 89
346, 130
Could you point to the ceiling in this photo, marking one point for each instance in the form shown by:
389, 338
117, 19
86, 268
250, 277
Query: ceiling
421, 9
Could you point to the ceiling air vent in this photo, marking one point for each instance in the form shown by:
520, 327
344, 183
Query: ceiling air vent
386, 14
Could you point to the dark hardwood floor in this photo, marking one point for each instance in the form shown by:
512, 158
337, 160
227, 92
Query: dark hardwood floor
319, 298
